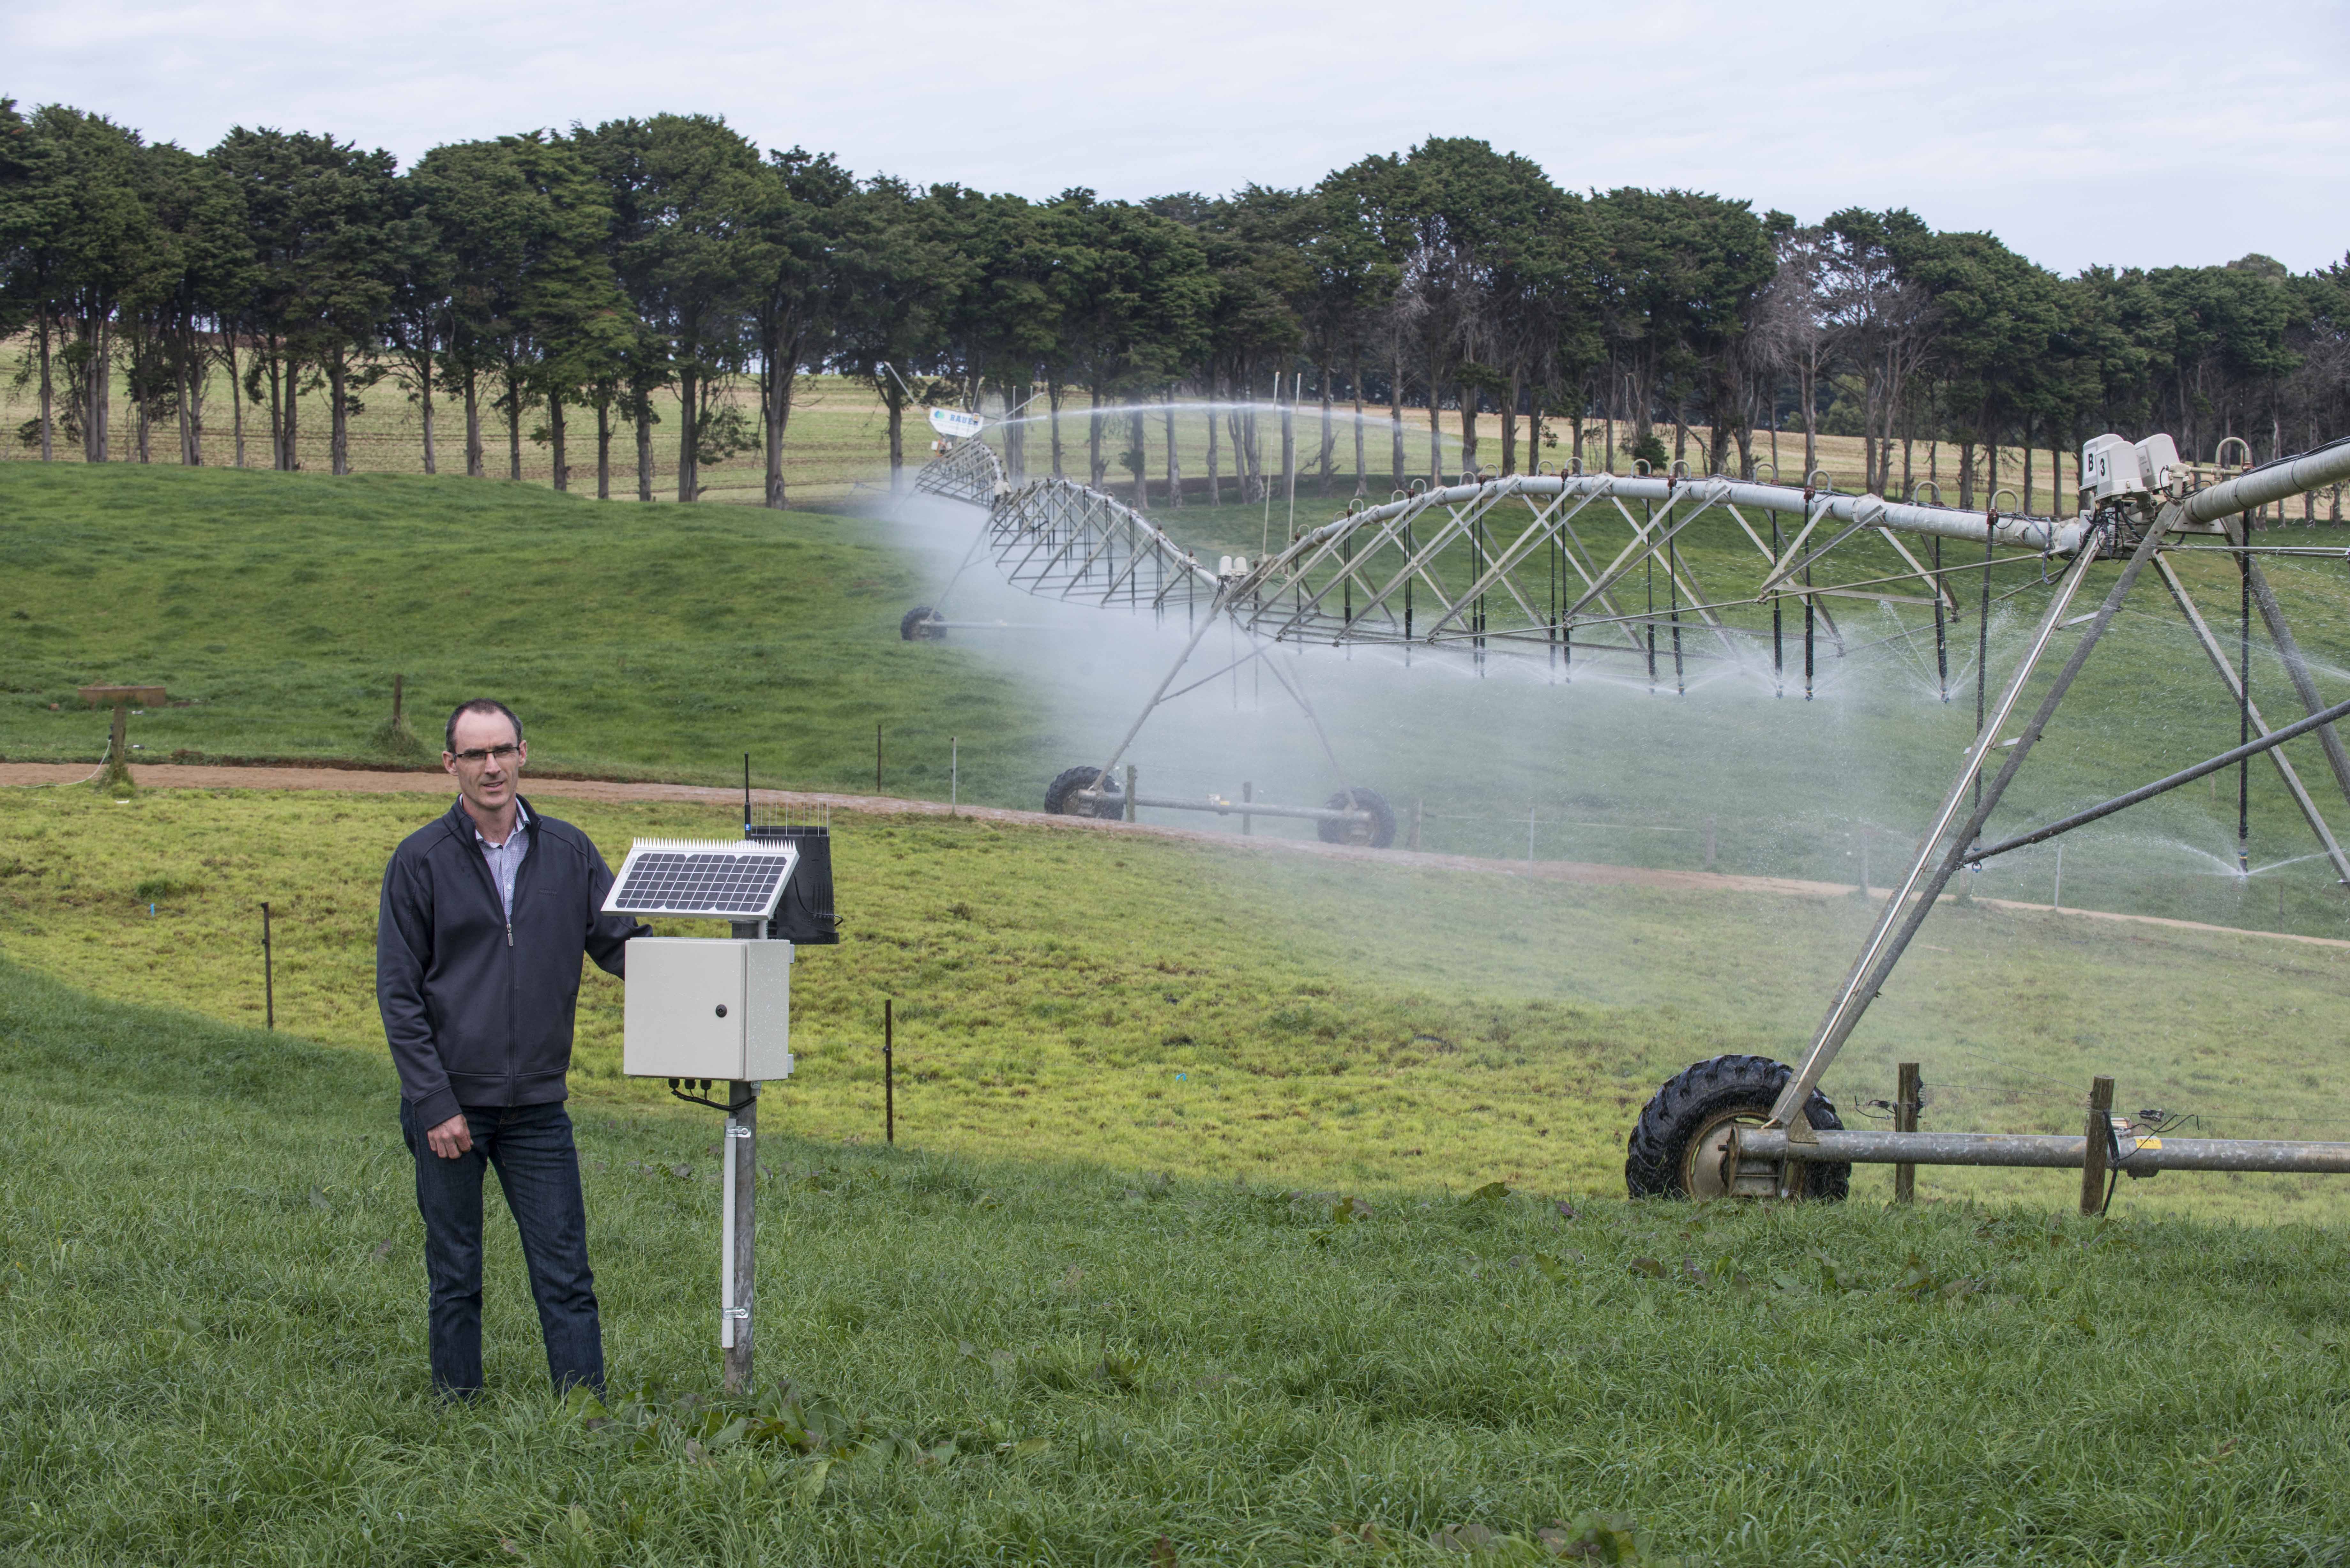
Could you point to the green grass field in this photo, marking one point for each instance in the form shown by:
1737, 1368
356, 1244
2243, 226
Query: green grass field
212, 1302
1190, 1235
1117, 999
277, 607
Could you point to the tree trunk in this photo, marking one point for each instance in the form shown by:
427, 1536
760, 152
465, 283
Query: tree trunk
781, 388
1510, 427
1355, 384
554, 441
278, 398
424, 402
1053, 411
689, 470
98, 396
338, 451
191, 408
894, 399
1966, 475
1288, 442
1329, 437
604, 448
1435, 439
643, 420
1608, 455
1174, 461
775, 394
1141, 460
1394, 421
1470, 398
183, 415
1215, 480
48, 398
474, 467
236, 398
1810, 379
1094, 469
514, 428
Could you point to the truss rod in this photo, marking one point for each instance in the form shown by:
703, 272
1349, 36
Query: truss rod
2164, 785
2218, 657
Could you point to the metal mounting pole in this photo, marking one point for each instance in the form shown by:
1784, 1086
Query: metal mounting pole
738, 1268
1884, 946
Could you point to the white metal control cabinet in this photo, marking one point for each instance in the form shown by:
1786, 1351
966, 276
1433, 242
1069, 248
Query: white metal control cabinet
708, 1007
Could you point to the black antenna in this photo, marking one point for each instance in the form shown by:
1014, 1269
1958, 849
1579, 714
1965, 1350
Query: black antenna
746, 794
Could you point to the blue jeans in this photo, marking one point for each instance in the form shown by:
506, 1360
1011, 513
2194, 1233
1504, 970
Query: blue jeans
538, 1167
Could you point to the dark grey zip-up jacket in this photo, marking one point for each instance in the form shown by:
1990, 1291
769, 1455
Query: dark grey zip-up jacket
478, 1008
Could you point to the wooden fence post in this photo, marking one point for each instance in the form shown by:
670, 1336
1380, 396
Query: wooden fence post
2098, 1138
1905, 1119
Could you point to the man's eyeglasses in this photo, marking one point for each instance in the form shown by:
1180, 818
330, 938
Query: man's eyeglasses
480, 755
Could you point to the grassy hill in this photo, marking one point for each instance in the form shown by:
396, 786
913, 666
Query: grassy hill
667, 642
636, 641
211, 1303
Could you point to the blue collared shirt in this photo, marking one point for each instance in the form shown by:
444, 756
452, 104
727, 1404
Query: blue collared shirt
505, 859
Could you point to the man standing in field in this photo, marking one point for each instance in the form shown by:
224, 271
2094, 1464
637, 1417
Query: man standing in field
484, 918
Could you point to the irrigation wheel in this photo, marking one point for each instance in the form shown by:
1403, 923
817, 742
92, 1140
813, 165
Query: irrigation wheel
1676, 1147
1061, 795
922, 624
1376, 834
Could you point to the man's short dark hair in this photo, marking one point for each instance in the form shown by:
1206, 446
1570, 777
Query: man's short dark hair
479, 705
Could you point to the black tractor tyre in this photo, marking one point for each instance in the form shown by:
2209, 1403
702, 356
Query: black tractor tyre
1674, 1148
1061, 795
1376, 834
922, 624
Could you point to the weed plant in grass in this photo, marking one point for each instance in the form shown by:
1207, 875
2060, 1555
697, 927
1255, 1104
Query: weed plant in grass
1090, 994
212, 1314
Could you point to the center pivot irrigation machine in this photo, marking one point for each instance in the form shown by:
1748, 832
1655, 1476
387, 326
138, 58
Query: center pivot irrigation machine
1587, 569
716, 1011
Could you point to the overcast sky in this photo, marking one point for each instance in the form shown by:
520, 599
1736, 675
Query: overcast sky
2149, 133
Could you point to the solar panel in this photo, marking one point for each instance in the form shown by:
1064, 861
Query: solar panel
713, 877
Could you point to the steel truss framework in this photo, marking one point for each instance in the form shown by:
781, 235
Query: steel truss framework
1548, 564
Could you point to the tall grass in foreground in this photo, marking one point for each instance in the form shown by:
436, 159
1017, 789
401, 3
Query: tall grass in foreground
211, 1319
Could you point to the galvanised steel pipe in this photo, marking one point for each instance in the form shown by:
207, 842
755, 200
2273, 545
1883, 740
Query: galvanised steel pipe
1229, 808
2059, 538
2039, 1152
2273, 482
1249, 809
